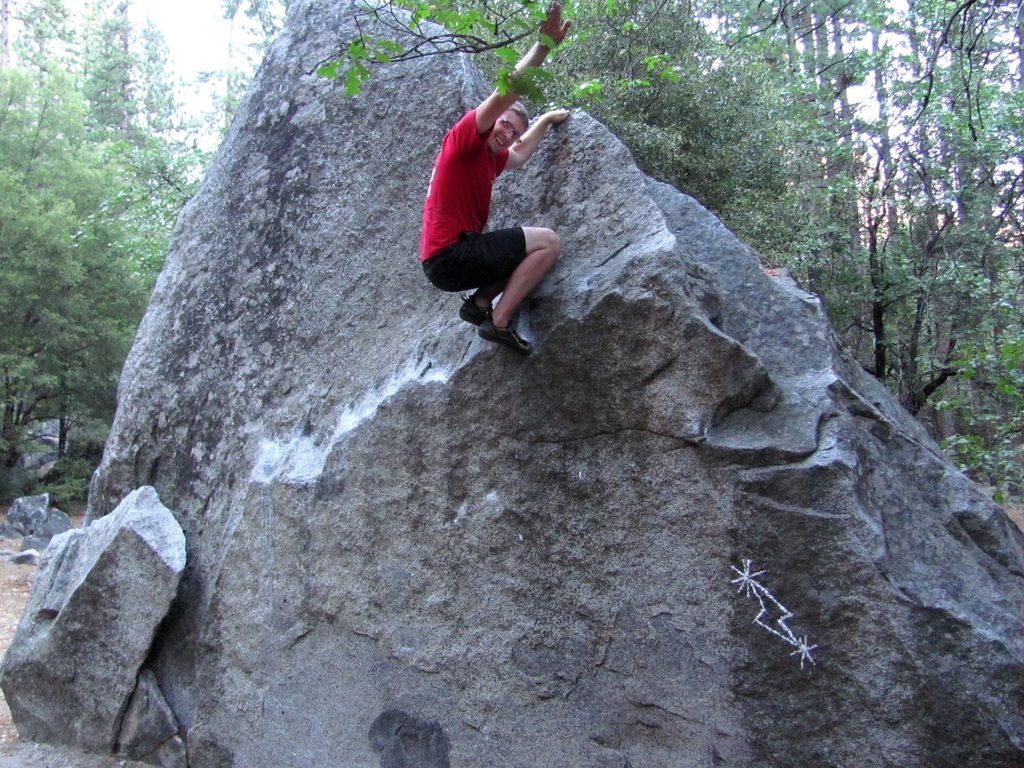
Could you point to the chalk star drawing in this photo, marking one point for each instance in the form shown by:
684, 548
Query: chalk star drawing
749, 584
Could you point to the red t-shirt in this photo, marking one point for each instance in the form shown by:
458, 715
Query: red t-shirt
459, 197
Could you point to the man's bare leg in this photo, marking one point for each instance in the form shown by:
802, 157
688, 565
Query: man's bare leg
485, 295
542, 250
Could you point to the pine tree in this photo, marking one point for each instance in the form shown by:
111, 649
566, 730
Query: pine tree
110, 69
92, 174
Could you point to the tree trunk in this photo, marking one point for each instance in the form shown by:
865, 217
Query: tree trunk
62, 436
876, 269
126, 86
5, 33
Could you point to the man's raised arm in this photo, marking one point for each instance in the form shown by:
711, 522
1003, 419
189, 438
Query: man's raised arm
552, 28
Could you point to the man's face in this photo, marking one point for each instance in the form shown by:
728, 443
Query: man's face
507, 131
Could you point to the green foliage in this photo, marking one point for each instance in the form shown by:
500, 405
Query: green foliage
360, 53
68, 303
48, 33
988, 405
255, 24
92, 175
268, 14
109, 65
68, 482
693, 112
910, 199
405, 30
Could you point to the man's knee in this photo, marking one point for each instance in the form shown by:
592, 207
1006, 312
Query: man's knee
543, 239
551, 243
556, 243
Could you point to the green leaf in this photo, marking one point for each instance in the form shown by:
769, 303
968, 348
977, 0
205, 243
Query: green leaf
591, 90
329, 70
390, 46
508, 55
355, 76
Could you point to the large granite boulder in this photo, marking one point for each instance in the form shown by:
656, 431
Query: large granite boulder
89, 623
688, 531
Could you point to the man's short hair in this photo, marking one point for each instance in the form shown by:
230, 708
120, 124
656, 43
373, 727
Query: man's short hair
520, 110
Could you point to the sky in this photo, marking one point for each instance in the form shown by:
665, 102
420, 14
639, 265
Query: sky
197, 37
199, 40
196, 33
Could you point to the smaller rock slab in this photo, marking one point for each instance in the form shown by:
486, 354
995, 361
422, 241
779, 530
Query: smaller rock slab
28, 513
100, 594
148, 722
33, 518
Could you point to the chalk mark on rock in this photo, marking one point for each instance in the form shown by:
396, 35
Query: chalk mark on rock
748, 584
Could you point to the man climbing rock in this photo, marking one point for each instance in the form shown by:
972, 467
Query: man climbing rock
457, 255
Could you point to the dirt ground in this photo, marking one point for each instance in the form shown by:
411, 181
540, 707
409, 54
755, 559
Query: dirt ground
15, 583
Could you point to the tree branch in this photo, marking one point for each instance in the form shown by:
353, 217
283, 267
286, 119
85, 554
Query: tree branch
424, 44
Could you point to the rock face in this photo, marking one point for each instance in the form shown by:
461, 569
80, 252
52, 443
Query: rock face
688, 531
89, 624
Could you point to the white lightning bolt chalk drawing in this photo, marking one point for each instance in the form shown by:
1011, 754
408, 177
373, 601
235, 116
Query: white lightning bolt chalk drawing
749, 584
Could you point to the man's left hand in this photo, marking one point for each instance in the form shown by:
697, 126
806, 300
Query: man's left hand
557, 116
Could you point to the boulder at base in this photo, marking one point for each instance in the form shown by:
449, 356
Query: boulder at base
35, 521
687, 532
89, 624
28, 513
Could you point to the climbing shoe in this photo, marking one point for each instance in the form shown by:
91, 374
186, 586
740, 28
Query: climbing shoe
507, 337
472, 312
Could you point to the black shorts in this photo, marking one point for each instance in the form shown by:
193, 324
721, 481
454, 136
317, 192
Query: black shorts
477, 260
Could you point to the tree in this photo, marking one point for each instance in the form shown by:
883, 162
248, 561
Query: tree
916, 187
46, 33
5, 33
267, 14
92, 173
68, 303
132, 116
415, 29
110, 67
254, 24
694, 113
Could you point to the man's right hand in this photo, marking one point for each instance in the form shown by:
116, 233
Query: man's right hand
552, 31
553, 27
